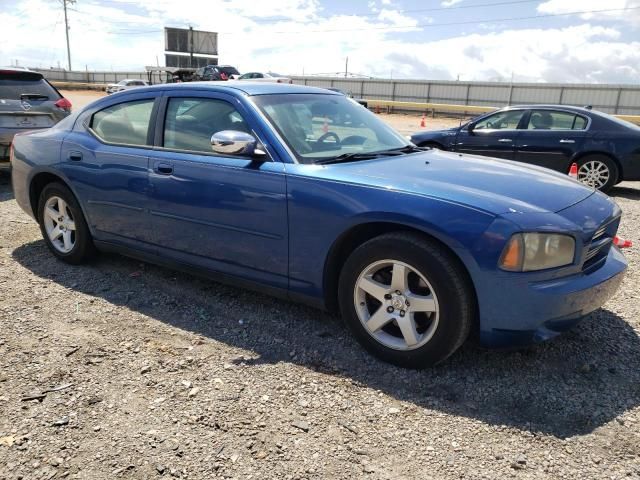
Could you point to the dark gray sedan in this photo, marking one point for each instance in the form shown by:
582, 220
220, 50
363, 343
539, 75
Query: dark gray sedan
605, 148
27, 102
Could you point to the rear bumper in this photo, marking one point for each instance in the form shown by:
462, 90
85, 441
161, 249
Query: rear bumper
539, 311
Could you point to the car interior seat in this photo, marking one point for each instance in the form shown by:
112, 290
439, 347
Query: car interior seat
541, 120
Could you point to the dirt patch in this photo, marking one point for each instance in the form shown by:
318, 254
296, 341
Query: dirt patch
120, 369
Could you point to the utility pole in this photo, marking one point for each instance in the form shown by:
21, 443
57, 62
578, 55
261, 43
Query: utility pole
190, 46
66, 29
346, 67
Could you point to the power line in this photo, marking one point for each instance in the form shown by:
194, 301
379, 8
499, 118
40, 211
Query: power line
448, 24
433, 9
402, 27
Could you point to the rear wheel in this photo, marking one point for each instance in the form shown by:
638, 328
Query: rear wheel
598, 171
63, 226
406, 299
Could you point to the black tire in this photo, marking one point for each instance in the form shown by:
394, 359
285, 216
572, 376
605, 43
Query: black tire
449, 282
614, 172
83, 248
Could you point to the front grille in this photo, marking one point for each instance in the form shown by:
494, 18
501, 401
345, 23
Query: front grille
600, 244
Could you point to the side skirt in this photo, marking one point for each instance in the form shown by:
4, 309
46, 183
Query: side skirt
211, 275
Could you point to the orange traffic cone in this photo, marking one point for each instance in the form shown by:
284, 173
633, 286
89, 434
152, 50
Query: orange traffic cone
325, 127
423, 122
573, 171
622, 243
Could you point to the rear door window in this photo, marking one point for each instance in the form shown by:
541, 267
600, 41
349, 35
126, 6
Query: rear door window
552, 120
15, 85
125, 123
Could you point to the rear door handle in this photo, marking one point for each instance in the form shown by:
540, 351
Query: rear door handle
566, 140
75, 156
164, 168
505, 140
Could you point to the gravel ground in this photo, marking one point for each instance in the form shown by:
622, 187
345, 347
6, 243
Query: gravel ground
140, 372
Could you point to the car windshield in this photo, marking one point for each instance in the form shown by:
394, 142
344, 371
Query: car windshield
319, 127
14, 85
122, 82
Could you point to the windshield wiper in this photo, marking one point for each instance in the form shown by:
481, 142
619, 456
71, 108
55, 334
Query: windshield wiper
406, 149
33, 96
348, 157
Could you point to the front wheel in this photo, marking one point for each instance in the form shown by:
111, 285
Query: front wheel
406, 299
63, 226
598, 171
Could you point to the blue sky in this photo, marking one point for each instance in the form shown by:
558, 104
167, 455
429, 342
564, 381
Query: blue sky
439, 39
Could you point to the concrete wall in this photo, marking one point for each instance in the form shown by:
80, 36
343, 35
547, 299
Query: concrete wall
620, 99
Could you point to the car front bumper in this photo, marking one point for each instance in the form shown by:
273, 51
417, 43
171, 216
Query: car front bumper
538, 311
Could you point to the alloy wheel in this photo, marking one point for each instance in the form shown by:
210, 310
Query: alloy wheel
59, 224
594, 174
396, 305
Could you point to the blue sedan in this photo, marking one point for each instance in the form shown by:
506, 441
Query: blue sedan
301, 192
605, 148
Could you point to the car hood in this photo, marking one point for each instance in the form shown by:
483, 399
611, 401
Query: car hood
493, 185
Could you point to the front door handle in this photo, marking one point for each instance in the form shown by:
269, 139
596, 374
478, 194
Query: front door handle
164, 168
505, 140
75, 156
566, 140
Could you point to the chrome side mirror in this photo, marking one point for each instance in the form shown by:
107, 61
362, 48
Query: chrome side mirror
233, 142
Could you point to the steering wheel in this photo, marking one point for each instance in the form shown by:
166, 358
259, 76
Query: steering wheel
322, 138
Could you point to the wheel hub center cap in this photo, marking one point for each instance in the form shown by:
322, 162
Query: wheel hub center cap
399, 302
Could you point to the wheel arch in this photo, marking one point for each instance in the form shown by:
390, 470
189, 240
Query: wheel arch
37, 184
357, 235
432, 144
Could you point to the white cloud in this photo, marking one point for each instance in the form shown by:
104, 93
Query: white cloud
627, 10
582, 53
450, 3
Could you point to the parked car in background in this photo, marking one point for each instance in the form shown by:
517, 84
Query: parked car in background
216, 73
416, 248
125, 84
606, 149
27, 102
265, 77
361, 101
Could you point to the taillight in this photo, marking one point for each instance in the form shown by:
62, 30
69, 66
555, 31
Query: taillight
63, 104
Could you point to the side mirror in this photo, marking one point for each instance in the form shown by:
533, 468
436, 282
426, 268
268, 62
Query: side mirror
233, 142
470, 128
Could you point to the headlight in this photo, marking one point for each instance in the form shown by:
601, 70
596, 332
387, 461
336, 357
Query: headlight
526, 252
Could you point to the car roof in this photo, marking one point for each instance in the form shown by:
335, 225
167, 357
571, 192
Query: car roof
20, 70
571, 108
245, 87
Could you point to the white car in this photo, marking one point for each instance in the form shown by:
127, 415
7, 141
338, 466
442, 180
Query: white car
265, 77
125, 84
